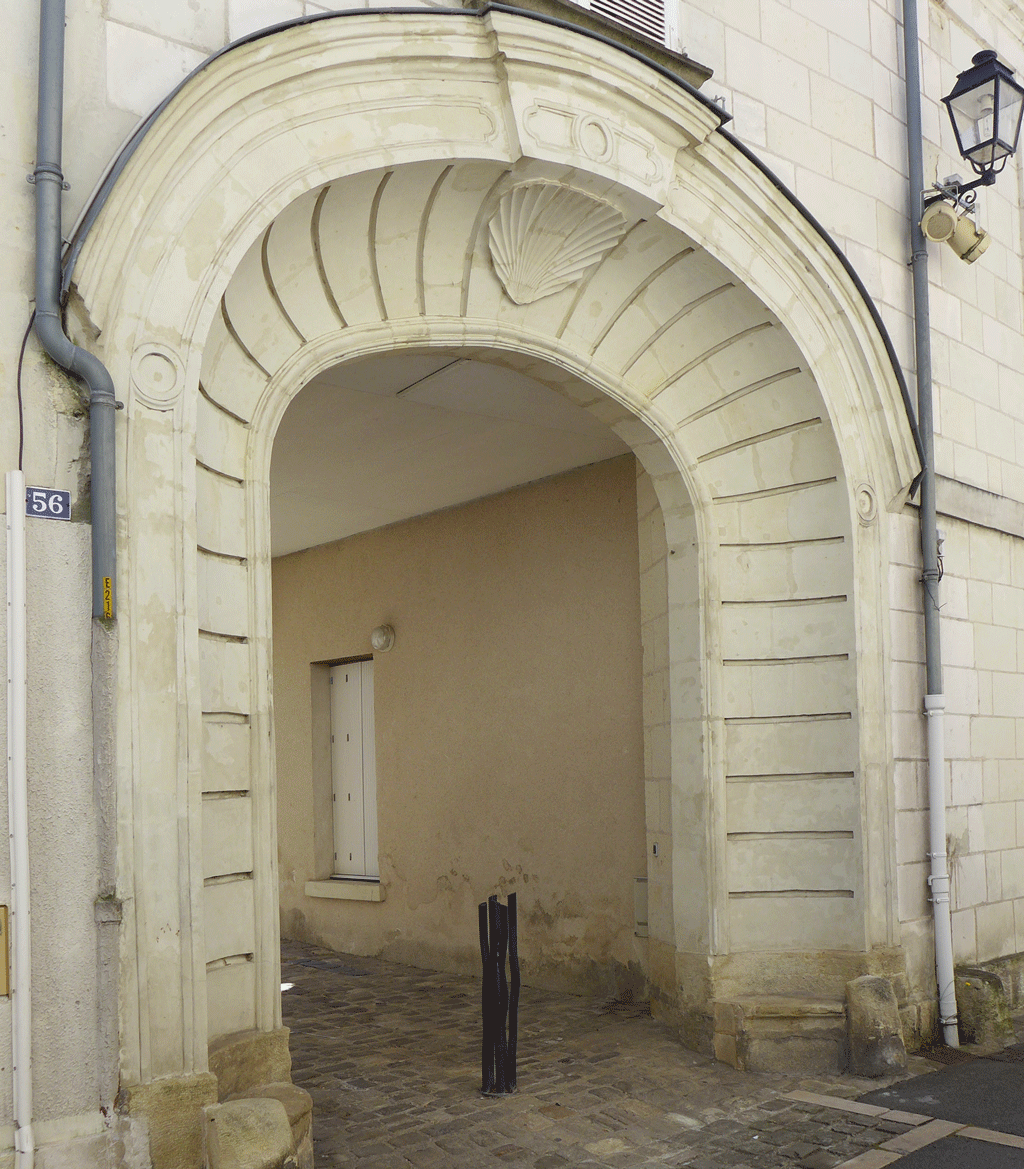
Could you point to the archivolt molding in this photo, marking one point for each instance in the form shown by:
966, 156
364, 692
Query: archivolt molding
784, 259
663, 344
278, 117
309, 194
613, 402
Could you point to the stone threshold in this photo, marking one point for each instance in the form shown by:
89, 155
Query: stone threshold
925, 1130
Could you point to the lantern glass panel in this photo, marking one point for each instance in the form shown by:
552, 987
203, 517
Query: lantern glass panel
1011, 101
974, 119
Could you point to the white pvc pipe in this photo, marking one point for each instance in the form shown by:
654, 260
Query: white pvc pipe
17, 806
934, 709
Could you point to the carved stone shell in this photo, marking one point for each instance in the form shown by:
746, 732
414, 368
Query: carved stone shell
544, 237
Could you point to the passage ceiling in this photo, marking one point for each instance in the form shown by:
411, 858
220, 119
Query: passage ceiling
375, 441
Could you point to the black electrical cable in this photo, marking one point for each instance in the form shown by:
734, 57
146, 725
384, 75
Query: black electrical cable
21, 403
99, 197
117, 166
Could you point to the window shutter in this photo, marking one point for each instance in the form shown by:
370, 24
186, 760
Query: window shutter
646, 17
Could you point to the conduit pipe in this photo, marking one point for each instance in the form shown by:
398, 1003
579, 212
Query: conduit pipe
49, 183
17, 807
934, 700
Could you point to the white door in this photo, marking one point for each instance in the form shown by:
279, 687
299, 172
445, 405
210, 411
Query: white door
353, 764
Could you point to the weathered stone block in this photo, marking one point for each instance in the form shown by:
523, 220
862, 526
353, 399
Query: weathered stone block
770, 1033
725, 1049
983, 1008
873, 1027
171, 1110
298, 1104
246, 1060
248, 1134
910, 1021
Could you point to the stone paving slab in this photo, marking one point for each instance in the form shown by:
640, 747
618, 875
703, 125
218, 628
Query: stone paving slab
995, 1138
391, 1057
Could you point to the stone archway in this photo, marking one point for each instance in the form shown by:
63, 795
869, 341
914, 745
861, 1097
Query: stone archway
298, 204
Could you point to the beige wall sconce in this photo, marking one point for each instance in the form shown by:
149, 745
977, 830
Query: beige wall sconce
382, 638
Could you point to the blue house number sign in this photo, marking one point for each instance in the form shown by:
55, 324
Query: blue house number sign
47, 504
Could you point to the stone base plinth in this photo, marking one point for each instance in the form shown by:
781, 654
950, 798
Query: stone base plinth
774, 1033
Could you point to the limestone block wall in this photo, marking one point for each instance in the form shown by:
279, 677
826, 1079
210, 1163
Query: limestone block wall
982, 595
816, 89
230, 871
166, 41
71, 814
787, 631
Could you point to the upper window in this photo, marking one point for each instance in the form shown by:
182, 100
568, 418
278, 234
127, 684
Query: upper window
650, 18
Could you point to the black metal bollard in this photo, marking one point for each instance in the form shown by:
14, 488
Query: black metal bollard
499, 943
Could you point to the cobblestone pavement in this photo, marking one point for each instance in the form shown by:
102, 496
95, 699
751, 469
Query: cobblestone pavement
391, 1057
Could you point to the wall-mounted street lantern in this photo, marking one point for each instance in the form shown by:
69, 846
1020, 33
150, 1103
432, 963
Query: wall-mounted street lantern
985, 108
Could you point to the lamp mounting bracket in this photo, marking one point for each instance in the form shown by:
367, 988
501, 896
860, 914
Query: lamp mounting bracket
955, 191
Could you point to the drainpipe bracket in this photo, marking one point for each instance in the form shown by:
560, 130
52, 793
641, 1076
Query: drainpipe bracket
53, 172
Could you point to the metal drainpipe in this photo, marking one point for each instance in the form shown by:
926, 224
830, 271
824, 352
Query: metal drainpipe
49, 184
934, 699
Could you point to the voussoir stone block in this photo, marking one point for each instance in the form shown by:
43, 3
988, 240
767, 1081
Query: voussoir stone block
981, 1003
248, 1134
873, 1024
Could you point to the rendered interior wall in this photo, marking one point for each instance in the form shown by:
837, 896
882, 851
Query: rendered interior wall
508, 727
74, 1044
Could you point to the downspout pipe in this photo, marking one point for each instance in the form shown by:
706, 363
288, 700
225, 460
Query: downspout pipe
49, 183
17, 807
934, 699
